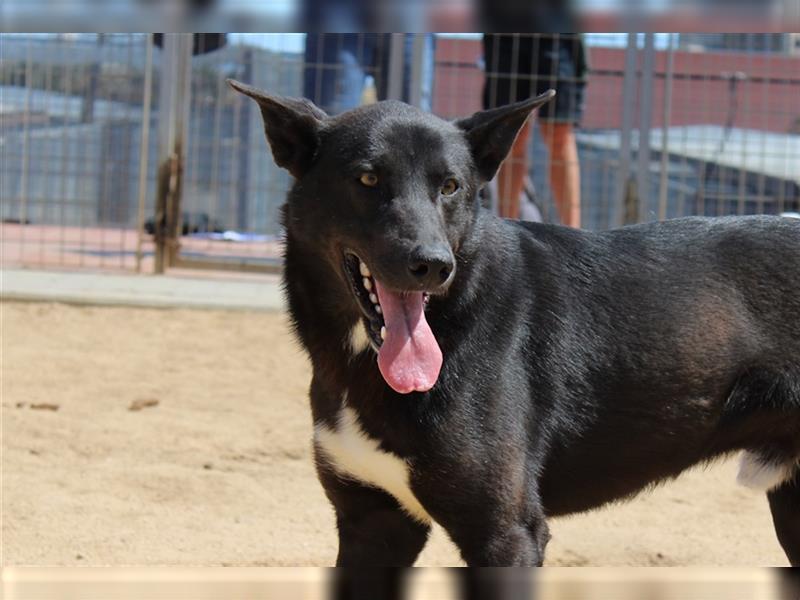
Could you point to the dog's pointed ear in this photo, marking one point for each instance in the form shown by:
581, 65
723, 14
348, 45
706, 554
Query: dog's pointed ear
491, 133
292, 126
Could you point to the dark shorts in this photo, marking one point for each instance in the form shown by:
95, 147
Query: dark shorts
519, 66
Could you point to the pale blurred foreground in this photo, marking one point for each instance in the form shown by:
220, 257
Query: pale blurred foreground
415, 584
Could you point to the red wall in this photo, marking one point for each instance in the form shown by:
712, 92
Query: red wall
763, 102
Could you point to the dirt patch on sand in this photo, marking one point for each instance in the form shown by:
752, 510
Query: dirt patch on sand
216, 466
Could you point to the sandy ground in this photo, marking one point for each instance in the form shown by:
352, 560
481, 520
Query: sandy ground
215, 468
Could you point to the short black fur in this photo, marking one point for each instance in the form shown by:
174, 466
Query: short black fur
579, 368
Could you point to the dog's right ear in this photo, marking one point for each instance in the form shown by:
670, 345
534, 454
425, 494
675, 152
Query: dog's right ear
292, 126
491, 133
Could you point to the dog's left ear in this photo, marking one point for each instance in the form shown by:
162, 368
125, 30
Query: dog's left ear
292, 126
491, 133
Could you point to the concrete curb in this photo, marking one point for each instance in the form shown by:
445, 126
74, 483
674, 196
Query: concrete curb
140, 290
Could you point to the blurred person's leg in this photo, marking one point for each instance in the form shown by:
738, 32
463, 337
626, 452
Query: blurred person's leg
511, 175
508, 66
565, 176
561, 64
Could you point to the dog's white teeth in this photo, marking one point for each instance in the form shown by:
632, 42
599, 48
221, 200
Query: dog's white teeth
367, 283
378, 309
373, 298
383, 332
364, 270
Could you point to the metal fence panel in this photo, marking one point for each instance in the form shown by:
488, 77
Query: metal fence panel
70, 145
674, 125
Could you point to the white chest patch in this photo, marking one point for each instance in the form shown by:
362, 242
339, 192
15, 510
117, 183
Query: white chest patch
358, 341
757, 474
357, 456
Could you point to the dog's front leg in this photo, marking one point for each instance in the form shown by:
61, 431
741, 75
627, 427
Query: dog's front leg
512, 545
383, 537
490, 506
495, 532
373, 530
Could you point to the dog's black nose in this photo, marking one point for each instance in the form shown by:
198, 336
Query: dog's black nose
431, 266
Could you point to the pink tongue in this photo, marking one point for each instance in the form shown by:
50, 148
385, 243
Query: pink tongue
410, 358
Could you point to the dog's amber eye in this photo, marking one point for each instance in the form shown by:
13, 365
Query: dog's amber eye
449, 187
369, 179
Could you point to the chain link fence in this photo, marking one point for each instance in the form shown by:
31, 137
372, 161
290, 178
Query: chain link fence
671, 125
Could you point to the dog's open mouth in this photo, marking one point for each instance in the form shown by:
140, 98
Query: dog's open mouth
409, 357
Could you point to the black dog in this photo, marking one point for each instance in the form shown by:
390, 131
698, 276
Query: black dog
523, 371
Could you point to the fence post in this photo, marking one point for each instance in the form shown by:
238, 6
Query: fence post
396, 66
173, 112
663, 185
418, 50
26, 136
628, 104
645, 123
144, 151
